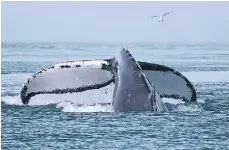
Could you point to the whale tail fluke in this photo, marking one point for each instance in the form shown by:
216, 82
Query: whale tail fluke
87, 75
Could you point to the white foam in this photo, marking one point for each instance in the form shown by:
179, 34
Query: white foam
66, 106
70, 107
12, 100
188, 108
172, 101
201, 101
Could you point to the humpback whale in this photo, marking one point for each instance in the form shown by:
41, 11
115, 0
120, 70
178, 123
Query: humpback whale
138, 86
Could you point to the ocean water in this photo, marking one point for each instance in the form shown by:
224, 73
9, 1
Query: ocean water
66, 126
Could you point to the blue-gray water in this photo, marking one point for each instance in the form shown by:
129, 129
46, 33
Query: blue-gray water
203, 126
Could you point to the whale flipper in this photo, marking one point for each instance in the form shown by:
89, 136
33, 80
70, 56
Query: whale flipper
133, 91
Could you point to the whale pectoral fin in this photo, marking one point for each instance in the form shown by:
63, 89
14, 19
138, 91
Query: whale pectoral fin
68, 77
169, 83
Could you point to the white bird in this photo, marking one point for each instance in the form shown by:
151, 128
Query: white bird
160, 18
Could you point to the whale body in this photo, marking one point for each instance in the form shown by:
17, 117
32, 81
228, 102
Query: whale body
133, 91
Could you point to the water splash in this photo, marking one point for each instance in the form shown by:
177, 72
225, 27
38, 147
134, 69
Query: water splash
172, 101
188, 108
70, 107
12, 100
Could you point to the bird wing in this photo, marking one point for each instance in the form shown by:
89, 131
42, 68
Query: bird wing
153, 16
166, 14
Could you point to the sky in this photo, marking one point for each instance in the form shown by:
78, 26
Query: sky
114, 22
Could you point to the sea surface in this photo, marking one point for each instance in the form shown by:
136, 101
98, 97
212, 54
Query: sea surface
65, 126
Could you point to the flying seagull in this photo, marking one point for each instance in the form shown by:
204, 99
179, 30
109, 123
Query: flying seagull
160, 18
